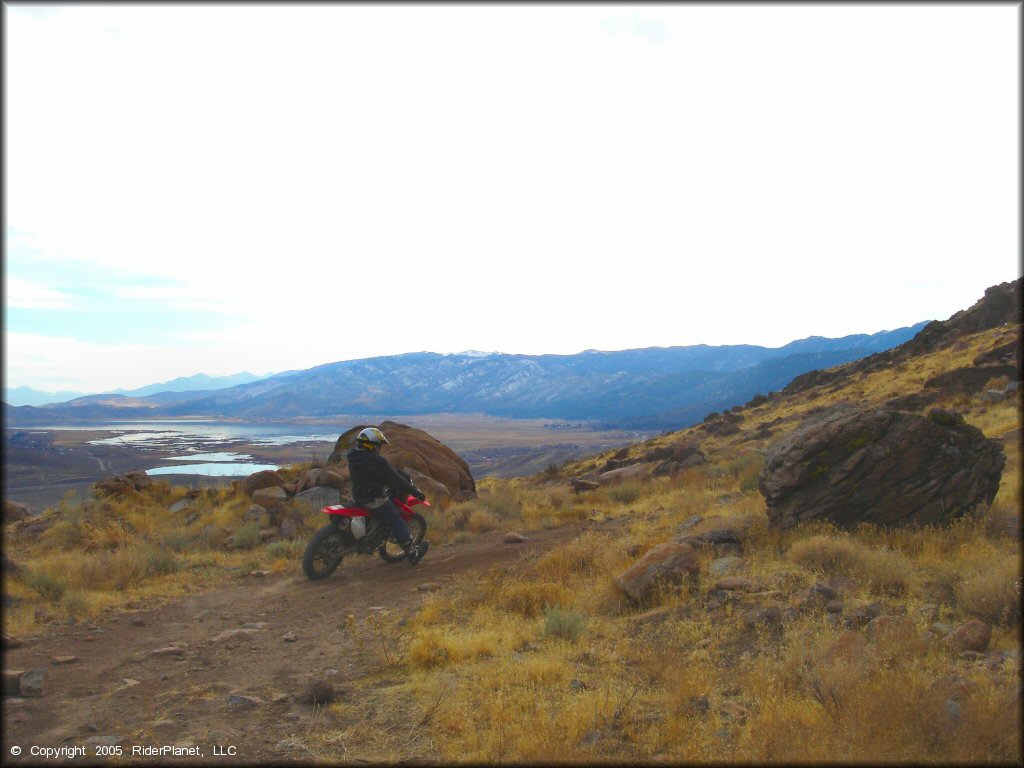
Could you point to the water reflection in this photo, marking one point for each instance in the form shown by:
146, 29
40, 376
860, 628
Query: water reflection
212, 469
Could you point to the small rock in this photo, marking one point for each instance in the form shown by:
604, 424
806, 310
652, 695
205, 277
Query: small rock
289, 637
513, 538
204, 615
724, 565
171, 650
64, 659
834, 606
971, 655
240, 701
577, 685
33, 683
138, 622
281, 698
430, 586
255, 625
260, 574
973, 635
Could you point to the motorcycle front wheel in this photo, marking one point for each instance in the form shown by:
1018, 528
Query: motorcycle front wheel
391, 551
323, 554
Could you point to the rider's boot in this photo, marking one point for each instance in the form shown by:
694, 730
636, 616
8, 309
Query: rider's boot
415, 553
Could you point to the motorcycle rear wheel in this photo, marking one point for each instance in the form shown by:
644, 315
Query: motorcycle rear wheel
323, 553
391, 551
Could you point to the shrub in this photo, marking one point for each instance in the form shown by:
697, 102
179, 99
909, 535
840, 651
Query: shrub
504, 505
456, 516
993, 594
50, 587
175, 541
63, 535
480, 520
885, 570
109, 536
559, 498
564, 624
248, 536
285, 549
577, 556
626, 492
529, 599
74, 603
155, 561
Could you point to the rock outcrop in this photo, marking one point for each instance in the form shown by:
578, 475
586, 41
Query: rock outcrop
124, 485
881, 466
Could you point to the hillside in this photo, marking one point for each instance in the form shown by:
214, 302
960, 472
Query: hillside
810, 644
654, 388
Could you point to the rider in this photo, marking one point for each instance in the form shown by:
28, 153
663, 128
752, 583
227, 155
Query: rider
370, 474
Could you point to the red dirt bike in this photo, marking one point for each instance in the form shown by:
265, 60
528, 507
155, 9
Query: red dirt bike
353, 529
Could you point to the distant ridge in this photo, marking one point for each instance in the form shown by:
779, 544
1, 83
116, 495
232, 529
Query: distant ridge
19, 396
655, 387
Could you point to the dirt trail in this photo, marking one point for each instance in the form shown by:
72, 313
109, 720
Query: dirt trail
89, 701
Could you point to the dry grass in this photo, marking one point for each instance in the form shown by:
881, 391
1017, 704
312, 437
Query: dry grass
886, 571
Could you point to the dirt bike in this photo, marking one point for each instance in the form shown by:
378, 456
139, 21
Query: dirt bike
354, 530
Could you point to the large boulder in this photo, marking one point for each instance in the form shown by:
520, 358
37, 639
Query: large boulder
410, 449
881, 466
267, 478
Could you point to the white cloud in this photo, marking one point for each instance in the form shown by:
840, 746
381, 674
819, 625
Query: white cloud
25, 294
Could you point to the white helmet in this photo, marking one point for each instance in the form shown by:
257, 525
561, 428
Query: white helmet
371, 439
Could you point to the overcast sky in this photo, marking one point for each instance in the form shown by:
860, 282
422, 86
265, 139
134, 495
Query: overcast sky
213, 189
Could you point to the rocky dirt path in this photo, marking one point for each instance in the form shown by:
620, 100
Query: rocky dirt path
165, 676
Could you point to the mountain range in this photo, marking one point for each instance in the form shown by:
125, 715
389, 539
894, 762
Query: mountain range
200, 381
651, 388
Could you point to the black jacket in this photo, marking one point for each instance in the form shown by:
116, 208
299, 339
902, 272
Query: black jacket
371, 473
